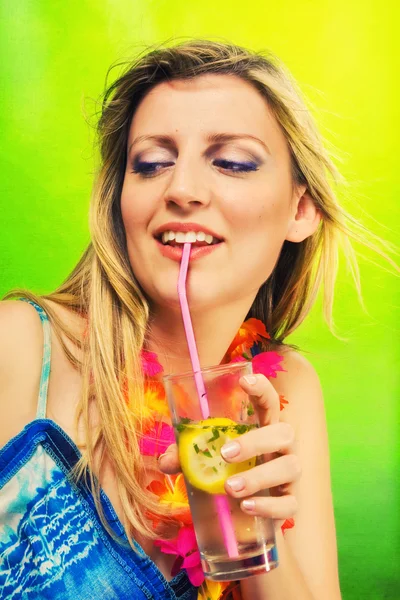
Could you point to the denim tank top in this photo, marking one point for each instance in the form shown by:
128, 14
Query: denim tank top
52, 542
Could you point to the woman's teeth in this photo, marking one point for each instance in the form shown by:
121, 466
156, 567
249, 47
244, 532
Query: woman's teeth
190, 237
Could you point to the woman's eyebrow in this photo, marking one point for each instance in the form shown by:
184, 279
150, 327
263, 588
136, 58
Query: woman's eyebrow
223, 138
163, 140
212, 138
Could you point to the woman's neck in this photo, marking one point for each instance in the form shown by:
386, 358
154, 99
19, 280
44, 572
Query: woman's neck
213, 329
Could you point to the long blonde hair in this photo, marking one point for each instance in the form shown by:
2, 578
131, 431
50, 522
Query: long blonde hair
103, 289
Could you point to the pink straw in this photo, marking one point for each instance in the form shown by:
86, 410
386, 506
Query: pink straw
221, 501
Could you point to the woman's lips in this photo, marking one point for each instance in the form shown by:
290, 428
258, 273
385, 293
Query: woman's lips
175, 252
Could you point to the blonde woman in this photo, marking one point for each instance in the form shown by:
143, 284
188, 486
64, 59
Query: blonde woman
213, 139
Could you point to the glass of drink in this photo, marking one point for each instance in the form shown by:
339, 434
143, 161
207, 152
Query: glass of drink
217, 517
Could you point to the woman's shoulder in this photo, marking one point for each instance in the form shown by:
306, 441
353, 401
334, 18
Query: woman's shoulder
296, 365
21, 352
21, 356
300, 385
21, 338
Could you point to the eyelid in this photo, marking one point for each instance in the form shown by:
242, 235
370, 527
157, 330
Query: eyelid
210, 150
250, 165
154, 155
239, 160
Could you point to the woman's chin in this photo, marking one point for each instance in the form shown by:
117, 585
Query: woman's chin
202, 298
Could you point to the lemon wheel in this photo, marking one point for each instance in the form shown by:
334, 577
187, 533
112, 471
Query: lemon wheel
200, 446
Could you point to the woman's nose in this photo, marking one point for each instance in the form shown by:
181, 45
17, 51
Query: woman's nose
187, 187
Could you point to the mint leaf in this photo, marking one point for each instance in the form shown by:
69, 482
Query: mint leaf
181, 425
241, 428
215, 435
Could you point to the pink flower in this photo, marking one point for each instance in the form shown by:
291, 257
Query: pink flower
188, 555
157, 439
150, 364
267, 363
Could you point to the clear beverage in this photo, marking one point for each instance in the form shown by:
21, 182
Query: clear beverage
254, 535
199, 443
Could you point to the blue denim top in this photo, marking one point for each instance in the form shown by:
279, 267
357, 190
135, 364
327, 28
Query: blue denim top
52, 542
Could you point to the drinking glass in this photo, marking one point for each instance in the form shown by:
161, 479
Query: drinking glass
233, 545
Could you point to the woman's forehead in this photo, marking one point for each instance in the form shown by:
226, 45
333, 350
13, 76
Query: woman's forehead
201, 93
205, 104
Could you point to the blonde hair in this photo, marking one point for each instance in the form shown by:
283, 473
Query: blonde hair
103, 288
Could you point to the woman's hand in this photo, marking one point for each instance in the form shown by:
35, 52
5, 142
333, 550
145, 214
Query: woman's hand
274, 441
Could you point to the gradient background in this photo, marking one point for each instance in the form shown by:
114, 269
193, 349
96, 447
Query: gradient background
345, 55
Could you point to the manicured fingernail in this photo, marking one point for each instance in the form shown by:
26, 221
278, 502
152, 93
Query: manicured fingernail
164, 454
248, 505
230, 450
250, 379
236, 483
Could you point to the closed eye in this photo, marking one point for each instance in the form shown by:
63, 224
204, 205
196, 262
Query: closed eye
148, 169
238, 167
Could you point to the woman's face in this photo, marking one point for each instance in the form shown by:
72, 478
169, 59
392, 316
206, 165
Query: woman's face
206, 156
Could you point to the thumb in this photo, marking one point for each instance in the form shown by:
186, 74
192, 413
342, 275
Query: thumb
169, 460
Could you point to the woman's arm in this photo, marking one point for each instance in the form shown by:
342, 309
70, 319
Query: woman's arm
307, 553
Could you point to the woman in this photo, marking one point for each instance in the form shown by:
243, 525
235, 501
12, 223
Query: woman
205, 138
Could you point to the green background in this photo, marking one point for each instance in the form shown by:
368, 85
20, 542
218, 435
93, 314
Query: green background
345, 55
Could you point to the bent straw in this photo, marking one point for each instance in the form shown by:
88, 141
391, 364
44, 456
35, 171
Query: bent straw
221, 501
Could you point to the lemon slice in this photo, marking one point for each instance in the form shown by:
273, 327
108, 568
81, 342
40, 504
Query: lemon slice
199, 447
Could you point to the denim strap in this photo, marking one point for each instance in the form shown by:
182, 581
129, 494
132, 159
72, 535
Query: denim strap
45, 374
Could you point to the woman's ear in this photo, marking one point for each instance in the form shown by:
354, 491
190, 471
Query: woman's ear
305, 220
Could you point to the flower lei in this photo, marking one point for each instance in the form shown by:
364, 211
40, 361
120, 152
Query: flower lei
158, 435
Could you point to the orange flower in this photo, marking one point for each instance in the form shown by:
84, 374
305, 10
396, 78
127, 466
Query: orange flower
182, 400
172, 491
212, 590
219, 590
155, 403
252, 330
282, 401
287, 524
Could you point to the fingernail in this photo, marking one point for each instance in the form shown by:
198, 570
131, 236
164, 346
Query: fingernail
250, 379
248, 505
230, 450
236, 483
